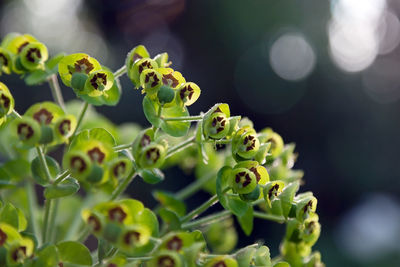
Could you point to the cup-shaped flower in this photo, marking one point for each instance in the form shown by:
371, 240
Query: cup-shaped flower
152, 156
151, 81
79, 164
188, 93
268, 135
27, 131
33, 56
134, 236
162, 60
137, 53
6, 101
98, 82
119, 167
19, 250
221, 261
77, 64
95, 221
64, 127
138, 67
216, 125
245, 143
166, 259
5, 61
245, 177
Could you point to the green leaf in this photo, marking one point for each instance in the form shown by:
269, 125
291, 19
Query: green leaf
74, 252
47, 257
170, 217
245, 256
13, 216
246, 220
152, 176
67, 187
237, 206
287, 197
38, 172
221, 184
282, 264
17, 169
112, 96
173, 128
169, 201
36, 77
52, 63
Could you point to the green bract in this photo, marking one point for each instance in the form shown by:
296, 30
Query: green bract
245, 143
33, 56
6, 102
5, 61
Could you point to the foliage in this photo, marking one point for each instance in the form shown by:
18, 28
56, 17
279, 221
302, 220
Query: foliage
248, 172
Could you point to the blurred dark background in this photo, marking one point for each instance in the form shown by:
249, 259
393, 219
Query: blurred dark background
323, 74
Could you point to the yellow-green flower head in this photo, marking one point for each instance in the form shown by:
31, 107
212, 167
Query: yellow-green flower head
216, 124
268, 135
15, 42
221, 261
77, 64
33, 56
138, 67
245, 143
5, 61
119, 167
166, 259
6, 101
188, 93
151, 81
137, 53
27, 131
98, 83
246, 175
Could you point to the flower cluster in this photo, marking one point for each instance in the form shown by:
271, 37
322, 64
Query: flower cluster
249, 172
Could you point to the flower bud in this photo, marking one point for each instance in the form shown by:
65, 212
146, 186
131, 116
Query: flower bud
27, 130
165, 95
33, 56
78, 81
188, 93
271, 191
96, 174
47, 135
152, 156
252, 196
305, 207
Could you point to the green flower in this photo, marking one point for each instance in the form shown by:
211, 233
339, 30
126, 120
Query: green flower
33, 56
221, 261
216, 124
188, 93
27, 130
138, 67
246, 176
5, 61
6, 102
245, 143
77, 64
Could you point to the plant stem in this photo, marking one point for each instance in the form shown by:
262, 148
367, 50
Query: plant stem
53, 215
47, 225
180, 146
121, 71
56, 91
81, 115
61, 177
83, 235
43, 163
47, 207
139, 258
185, 118
32, 205
16, 114
219, 216
270, 217
200, 209
122, 147
194, 187
125, 183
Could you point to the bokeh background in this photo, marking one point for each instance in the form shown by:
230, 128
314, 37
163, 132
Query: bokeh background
323, 74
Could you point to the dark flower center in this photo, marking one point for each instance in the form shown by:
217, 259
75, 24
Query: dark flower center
43, 116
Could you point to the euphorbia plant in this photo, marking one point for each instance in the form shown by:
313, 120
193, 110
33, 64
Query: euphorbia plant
248, 172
